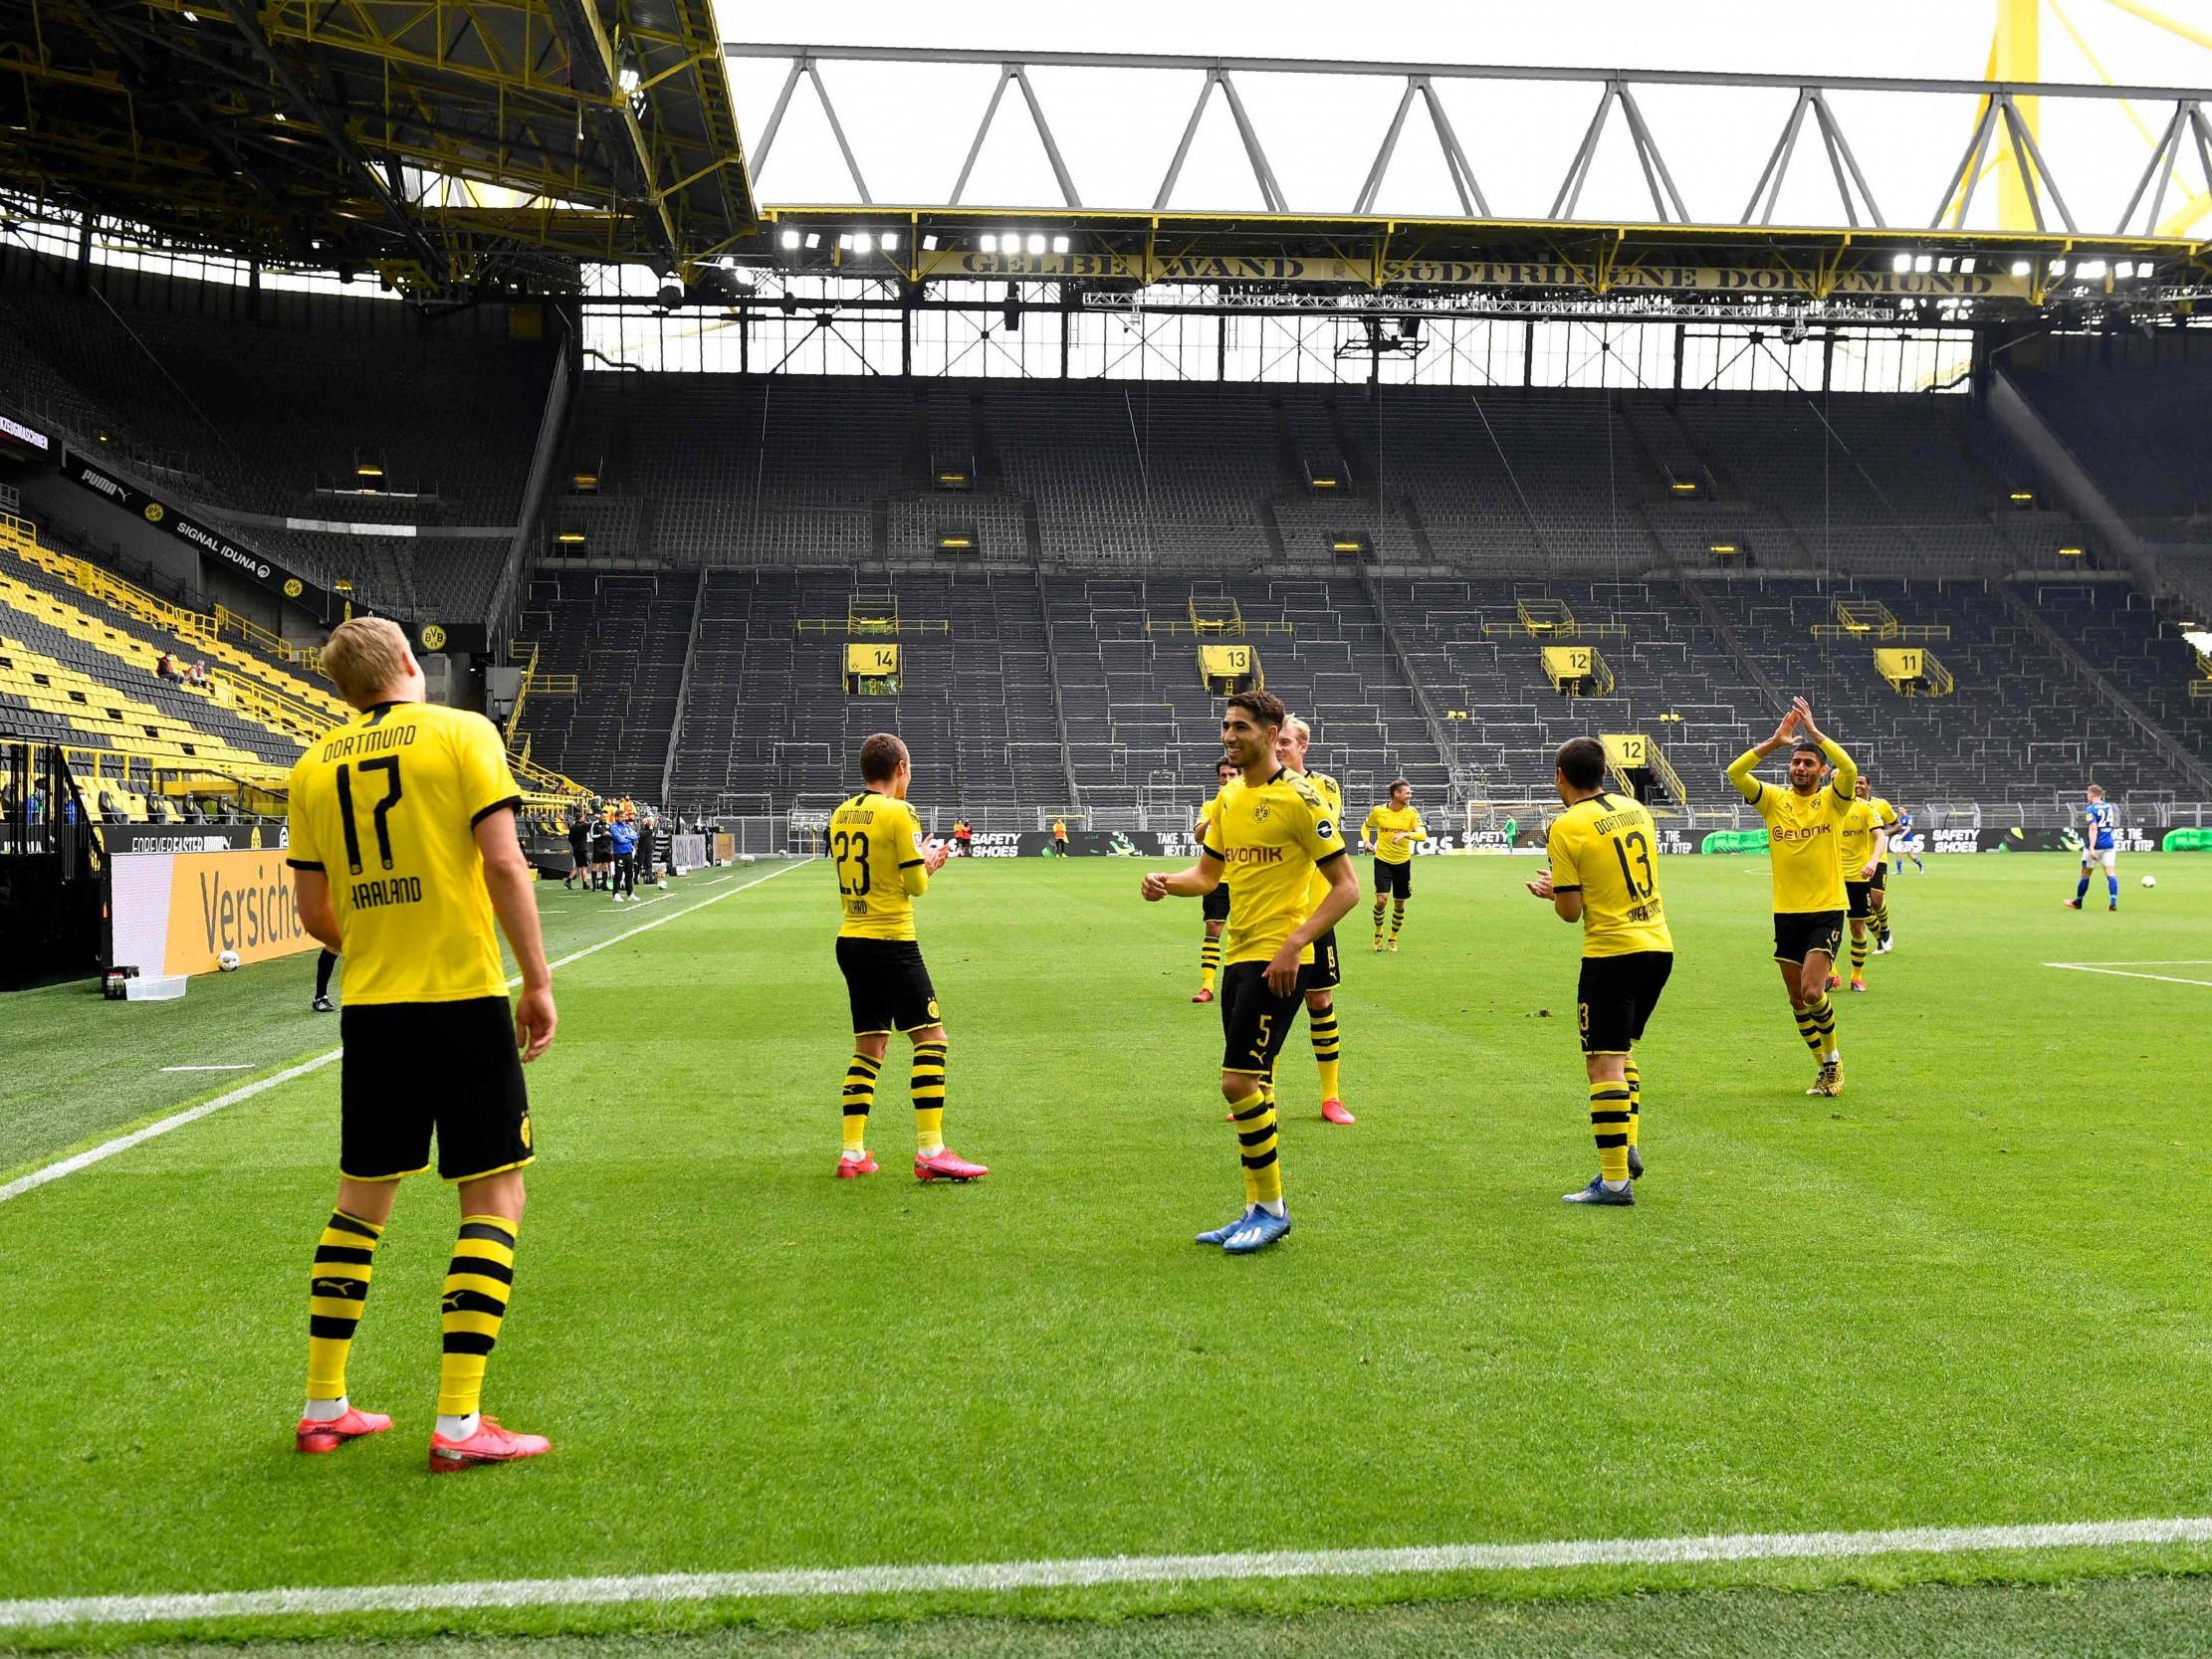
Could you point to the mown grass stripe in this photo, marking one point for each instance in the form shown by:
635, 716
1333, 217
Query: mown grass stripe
1089, 1572
260, 1086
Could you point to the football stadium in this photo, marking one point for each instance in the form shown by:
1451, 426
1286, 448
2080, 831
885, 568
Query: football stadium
1101, 716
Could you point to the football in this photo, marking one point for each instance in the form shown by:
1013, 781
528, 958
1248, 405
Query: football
2150, 881
227, 960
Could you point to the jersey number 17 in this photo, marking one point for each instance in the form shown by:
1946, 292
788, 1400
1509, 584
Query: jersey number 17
380, 815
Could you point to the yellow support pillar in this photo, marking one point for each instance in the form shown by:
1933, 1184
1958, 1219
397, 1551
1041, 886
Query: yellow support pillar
2015, 54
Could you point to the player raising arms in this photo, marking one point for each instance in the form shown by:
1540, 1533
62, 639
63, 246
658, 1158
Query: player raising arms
883, 866
1605, 874
1215, 907
1392, 829
1865, 854
1805, 847
1274, 831
2100, 845
1291, 744
402, 848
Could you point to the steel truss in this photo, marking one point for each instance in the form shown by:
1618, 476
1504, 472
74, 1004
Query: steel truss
1853, 252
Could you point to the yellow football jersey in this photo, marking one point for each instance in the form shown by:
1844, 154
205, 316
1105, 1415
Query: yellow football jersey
875, 847
1804, 833
1607, 849
1271, 837
1392, 830
1859, 823
387, 806
1332, 799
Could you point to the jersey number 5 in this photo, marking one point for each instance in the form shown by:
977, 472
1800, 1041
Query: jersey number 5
381, 816
853, 845
1623, 847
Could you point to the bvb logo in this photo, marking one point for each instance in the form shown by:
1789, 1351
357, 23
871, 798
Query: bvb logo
293, 588
433, 637
525, 1131
155, 512
933, 1009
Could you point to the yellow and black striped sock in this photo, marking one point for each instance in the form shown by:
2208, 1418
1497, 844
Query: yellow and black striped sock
336, 1290
1858, 955
1609, 1125
478, 1282
1210, 963
1327, 1049
1380, 904
1255, 1141
859, 1100
1824, 1028
1804, 1029
1635, 1096
1882, 911
1397, 916
927, 1084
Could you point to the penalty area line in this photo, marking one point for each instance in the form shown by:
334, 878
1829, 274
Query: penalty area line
1089, 1572
260, 1086
2127, 970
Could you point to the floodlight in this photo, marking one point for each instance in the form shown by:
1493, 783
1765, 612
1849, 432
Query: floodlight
789, 241
629, 81
2020, 267
1036, 243
1901, 264
929, 243
2090, 270
863, 243
989, 243
844, 240
814, 239
890, 242
2057, 267
1925, 263
1059, 244
1966, 265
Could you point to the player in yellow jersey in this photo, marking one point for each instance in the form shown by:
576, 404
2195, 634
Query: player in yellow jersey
1392, 829
1805, 824
1865, 854
404, 849
1059, 836
1291, 744
1216, 909
883, 864
1275, 831
1603, 873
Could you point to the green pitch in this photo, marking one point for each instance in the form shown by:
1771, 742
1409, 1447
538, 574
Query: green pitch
1965, 1294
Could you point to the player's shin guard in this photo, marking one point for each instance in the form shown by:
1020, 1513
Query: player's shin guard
1822, 1015
2111, 889
478, 1282
1380, 905
1635, 1081
1608, 1124
1210, 963
859, 1100
336, 1292
1254, 1117
1327, 1049
1881, 913
927, 1086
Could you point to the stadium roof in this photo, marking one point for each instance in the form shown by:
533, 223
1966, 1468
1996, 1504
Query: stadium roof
447, 144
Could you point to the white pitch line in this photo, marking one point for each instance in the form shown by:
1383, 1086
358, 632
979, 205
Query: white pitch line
242, 1065
192, 1115
1091, 1571
2123, 974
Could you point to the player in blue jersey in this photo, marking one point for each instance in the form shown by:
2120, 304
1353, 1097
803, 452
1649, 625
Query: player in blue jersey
1904, 843
2100, 845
